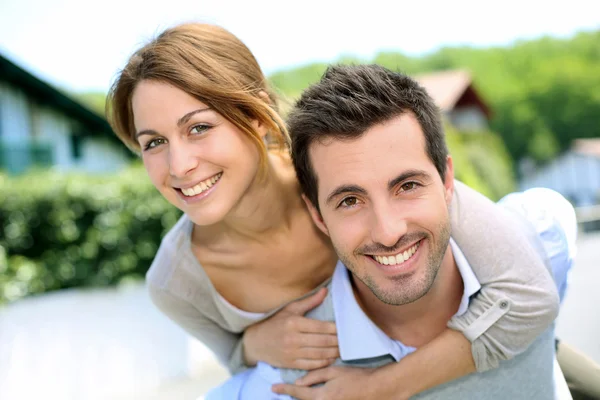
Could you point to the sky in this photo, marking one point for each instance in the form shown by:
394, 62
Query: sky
79, 45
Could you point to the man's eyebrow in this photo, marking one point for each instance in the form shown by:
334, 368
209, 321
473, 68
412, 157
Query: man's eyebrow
412, 173
181, 121
344, 189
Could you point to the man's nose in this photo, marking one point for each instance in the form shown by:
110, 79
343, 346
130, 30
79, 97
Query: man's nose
388, 225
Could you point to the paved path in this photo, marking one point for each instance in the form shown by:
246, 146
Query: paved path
579, 319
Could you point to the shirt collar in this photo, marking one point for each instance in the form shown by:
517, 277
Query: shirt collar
359, 338
470, 282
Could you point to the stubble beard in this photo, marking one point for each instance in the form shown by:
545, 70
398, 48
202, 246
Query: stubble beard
407, 288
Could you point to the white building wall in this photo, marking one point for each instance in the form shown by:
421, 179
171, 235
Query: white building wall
15, 122
469, 118
52, 128
100, 155
575, 176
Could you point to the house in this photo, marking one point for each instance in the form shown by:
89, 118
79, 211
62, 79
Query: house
42, 126
455, 95
575, 174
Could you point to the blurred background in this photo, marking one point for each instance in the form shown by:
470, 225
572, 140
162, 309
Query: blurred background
517, 81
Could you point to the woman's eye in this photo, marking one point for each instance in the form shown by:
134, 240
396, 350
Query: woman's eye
349, 202
154, 143
199, 129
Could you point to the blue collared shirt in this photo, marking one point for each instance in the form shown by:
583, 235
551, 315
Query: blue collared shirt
360, 338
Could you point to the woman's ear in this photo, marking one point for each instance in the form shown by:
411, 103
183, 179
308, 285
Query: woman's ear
260, 128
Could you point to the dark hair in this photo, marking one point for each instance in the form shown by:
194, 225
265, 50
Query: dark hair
350, 99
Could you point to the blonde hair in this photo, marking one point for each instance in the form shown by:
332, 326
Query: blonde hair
212, 65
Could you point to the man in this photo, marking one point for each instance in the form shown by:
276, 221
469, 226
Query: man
380, 185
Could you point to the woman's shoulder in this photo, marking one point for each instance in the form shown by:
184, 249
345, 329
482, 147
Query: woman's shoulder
174, 250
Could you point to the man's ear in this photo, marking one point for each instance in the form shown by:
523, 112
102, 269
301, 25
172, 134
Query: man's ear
316, 215
449, 180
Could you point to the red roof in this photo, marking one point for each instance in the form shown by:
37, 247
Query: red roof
450, 89
587, 146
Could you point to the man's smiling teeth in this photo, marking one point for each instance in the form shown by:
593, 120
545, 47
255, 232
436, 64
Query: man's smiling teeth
398, 258
202, 186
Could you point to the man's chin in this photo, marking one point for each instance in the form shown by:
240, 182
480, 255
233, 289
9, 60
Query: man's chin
399, 296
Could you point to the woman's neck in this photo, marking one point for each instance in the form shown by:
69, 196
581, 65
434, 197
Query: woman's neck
264, 210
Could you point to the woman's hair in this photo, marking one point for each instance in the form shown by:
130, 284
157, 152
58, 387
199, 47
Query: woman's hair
210, 64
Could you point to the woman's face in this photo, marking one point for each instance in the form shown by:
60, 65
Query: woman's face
198, 160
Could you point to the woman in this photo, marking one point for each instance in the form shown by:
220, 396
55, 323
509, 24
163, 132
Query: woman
196, 105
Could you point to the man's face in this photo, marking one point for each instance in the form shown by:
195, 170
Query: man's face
385, 207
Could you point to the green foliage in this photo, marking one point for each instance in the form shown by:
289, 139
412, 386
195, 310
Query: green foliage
481, 161
292, 82
543, 93
60, 231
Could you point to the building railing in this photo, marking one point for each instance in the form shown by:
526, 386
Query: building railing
588, 218
588, 214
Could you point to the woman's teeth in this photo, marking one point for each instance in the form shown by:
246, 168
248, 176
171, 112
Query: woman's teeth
202, 186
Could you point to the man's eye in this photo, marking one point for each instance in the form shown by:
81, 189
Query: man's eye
408, 186
349, 202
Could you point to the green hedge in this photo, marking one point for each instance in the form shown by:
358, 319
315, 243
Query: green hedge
63, 230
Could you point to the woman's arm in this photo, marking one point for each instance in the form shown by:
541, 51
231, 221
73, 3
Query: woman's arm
286, 339
518, 299
445, 358
225, 345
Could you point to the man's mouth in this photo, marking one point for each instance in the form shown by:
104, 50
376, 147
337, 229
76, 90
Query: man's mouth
202, 186
398, 258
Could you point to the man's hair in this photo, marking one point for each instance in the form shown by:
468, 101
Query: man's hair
350, 99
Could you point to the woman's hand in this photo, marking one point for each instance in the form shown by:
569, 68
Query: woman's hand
290, 340
343, 383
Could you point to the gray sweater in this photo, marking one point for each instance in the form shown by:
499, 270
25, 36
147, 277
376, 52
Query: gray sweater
502, 257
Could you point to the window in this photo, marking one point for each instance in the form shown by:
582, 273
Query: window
76, 146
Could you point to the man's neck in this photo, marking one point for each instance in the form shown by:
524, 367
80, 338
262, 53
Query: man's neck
417, 323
